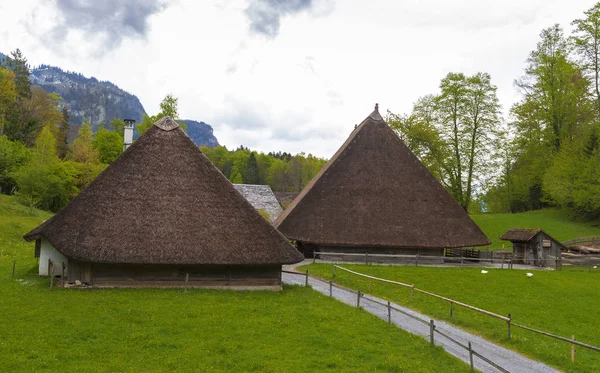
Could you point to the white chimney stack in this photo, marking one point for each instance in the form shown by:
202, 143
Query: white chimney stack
128, 133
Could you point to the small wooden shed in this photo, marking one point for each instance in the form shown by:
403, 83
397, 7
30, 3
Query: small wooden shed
534, 247
375, 196
163, 215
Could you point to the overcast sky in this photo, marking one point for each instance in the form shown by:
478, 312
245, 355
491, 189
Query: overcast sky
293, 75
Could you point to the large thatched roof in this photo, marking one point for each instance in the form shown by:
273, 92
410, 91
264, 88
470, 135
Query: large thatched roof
163, 202
375, 192
261, 197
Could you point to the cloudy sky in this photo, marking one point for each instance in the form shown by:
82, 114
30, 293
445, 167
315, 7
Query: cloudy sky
290, 75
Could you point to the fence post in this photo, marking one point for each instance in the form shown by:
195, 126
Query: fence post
471, 357
51, 275
187, 278
572, 349
412, 292
389, 313
13, 270
451, 308
62, 275
366, 258
461, 260
306, 282
416, 260
314, 256
358, 299
508, 322
330, 289
431, 331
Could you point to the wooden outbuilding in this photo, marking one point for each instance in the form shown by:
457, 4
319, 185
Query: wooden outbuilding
534, 247
375, 196
163, 215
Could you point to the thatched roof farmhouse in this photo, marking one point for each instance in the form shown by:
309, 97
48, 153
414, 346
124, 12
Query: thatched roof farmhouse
261, 197
160, 212
375, 196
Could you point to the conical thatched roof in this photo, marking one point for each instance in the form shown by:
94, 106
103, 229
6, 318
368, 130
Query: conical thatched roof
375, 192
163, 202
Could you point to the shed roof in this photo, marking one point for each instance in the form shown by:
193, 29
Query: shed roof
163, 202
374, 191
261, 197
520, 234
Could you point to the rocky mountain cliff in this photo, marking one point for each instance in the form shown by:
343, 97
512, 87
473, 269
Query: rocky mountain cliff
98, 101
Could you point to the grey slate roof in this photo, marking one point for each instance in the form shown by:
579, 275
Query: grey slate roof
261, 197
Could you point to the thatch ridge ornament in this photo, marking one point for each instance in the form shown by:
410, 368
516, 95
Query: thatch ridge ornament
166, 124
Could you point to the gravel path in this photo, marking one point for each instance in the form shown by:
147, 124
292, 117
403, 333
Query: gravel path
507, 359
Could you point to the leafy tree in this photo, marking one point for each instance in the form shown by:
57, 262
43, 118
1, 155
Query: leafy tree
63, 134
118, 126
13, 155
17, 63
586, 38
236, 177
252, 176
8, 95
168, 107
45, 182
109, 145
451, 132
85, 155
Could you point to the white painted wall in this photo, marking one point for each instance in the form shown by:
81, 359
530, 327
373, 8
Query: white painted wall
47, 251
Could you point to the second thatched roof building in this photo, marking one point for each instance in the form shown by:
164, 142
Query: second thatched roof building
375, 196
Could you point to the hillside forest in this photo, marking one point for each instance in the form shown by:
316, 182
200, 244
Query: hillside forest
546, 152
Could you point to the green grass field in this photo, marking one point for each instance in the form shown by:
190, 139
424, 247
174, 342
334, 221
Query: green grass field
165, 330
554, 221
560, 302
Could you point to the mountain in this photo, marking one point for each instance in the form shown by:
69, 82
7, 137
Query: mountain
201, 133
101, 101
98, 101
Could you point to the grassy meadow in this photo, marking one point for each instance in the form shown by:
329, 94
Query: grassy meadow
164, 330
554, 221
560, 302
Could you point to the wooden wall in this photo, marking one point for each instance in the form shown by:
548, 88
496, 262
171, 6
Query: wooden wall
308, 248
148, 275
533, 253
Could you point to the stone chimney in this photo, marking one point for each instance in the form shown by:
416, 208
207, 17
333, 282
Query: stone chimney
128, 133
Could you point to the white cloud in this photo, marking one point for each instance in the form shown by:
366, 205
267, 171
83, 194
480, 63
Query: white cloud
306, 87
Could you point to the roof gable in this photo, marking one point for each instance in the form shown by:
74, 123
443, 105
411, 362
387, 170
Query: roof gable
163, 202
374, 191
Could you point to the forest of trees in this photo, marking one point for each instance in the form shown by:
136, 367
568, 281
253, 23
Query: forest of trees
545, 154
281, 171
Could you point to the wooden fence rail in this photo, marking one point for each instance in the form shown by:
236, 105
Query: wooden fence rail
432, 327
508, 320
589, 239
413, 288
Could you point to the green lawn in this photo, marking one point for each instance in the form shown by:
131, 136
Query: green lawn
560, 302
164, 330
554, 221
